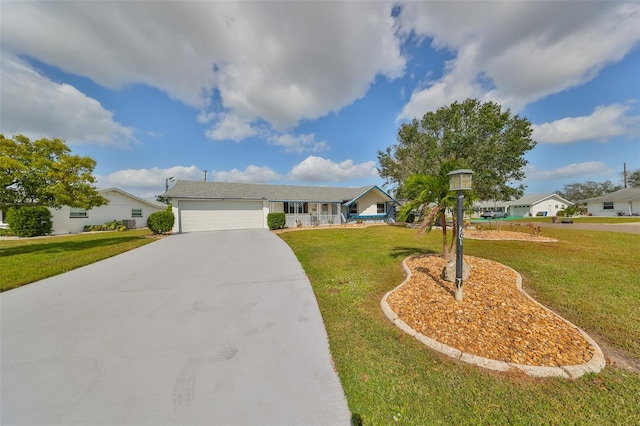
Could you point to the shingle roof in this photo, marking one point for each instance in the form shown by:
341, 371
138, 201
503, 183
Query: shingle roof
255, 191
628, 194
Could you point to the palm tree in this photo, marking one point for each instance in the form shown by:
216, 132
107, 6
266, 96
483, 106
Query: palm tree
431, 194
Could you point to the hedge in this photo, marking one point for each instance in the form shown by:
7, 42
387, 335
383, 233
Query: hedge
29, 221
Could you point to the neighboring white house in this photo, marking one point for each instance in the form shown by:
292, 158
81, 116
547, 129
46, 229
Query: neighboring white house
208, 206
625, 202
527, 206
122, 206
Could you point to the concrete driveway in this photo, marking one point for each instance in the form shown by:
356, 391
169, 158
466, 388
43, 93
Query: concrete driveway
211, 328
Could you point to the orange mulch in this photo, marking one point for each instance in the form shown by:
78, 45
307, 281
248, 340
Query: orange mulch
477, 234
494, 320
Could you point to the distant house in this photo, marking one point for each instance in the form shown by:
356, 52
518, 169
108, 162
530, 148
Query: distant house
527, 206
122, 206
625, 202
208, 206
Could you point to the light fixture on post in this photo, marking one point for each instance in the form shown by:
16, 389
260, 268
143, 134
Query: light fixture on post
459, 181
166, 183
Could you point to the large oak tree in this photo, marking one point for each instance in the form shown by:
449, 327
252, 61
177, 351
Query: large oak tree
44, 173
480, 136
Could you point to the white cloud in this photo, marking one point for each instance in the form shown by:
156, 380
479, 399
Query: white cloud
37, 107
147, 183
230, 126
575, 170
298, 143
252, 174
318, 169
517, 52
278, 62
604, 123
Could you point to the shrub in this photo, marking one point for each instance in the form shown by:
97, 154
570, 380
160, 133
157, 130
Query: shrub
561, 213
276, 220
161, 222
114, 225
29, 221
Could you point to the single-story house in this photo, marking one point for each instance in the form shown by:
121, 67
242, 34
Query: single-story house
625, 202
122, 206
527, 205
208, 206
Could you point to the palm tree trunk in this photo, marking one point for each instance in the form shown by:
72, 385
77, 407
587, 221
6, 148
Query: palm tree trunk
454, 237
445, 248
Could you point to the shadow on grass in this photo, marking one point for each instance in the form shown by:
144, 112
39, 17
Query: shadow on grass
64, 246
403, 252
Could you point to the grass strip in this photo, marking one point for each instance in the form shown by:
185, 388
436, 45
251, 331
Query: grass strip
581, 219
26, 260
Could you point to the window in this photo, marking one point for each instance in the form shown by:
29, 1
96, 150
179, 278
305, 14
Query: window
293, 208
608, 205
136, 212
353, 208
76, 212
381, 208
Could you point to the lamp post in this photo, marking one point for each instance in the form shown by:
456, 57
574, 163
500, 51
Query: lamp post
166, 183
459, 181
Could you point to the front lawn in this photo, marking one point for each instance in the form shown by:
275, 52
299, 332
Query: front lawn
25, 260
591, 278
579, 219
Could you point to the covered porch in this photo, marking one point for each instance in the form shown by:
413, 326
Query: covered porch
308, 213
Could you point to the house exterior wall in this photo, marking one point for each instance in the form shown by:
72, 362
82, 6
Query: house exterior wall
119, 208
367, 208
367, 204
625, 207
551, 206
277, 207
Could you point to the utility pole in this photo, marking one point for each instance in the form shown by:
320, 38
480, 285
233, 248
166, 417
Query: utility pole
205, 174
624, 175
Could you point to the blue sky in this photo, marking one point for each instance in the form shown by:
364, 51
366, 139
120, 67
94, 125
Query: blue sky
308, 92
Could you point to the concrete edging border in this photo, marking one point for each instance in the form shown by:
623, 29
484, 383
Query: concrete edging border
594, 365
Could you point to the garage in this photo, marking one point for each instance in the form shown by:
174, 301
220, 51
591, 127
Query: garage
220, 215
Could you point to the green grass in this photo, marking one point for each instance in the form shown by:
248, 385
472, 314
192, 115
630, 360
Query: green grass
25, 260
581, 219
591, 278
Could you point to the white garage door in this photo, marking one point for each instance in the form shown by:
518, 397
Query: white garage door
220, 215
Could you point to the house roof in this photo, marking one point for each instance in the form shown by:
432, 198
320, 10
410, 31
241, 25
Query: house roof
628, 194
255, 191
525, 200
126, 194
